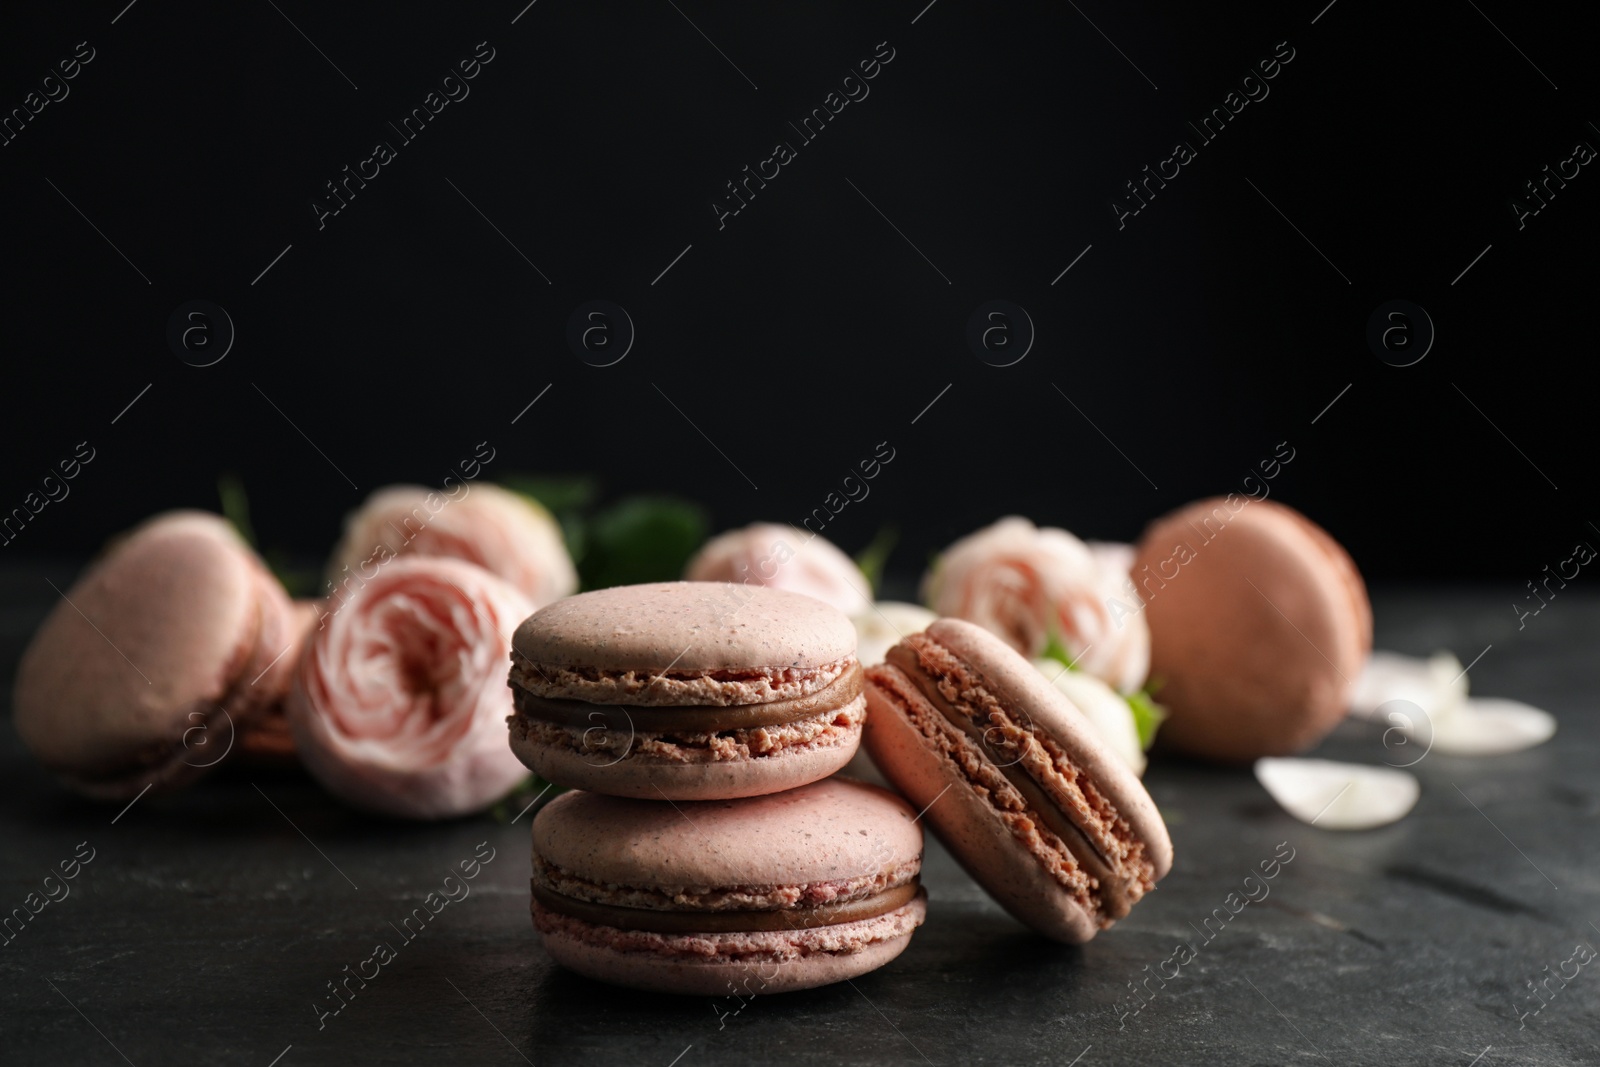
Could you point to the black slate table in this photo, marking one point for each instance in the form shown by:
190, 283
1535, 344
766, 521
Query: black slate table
208, 925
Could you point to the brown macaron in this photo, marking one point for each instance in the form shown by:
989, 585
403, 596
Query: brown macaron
1259, 626
148, 667
1014, 780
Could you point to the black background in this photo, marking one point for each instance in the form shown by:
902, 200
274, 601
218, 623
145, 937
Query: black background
808, 330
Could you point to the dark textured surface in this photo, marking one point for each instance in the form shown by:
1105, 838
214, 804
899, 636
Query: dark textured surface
206, 926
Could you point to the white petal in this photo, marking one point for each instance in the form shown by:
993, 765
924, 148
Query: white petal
1425, 705
1107, 712
881, 628
1338, 796
1487, 726
1436, 685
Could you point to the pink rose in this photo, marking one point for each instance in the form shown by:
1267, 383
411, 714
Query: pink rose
1027, 585
1114, 556
502, 532
400, 703
784, 557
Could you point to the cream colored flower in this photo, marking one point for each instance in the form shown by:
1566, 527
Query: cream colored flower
1030, 585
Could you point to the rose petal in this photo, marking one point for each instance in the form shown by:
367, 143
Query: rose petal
1106, 711
881, 627
1338, 796
1113, 556
1489, 726
1436, 685
1426, 701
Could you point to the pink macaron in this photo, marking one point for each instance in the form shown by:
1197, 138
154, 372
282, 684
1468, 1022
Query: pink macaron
147, 670
1259, 626
1014, 780
267, 741
732, 897
686, 691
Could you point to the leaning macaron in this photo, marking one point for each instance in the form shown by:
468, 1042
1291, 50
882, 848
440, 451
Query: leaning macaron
146, 669
760, 895
686, 691
1014, 780
1259, 626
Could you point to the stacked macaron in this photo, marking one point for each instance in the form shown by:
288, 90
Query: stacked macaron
703, 848
686, 691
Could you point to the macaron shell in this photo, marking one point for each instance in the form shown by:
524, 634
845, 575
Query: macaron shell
146, 645
267, 741
832, 829
969, 827
1030, 697
724, 978
687, 626
1348, 575
659, 780
279, 636
1259, 637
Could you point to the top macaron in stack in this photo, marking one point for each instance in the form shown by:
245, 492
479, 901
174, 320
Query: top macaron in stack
686, 691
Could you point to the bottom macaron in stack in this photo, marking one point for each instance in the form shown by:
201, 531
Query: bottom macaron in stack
762, 895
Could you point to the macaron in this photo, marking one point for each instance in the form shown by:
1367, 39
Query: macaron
1014, 780
146, 670
686, 691
728, 897
267, 741
1259, 626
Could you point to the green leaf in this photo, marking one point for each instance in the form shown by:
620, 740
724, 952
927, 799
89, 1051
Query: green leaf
236, 506
297, 581
530, 789
1147, 714
567, 498
1054, 649
872, 558
642, 539
558, 494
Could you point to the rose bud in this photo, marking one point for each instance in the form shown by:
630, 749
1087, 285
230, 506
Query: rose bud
1039, 588
784, 557
502, 532
400, 702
